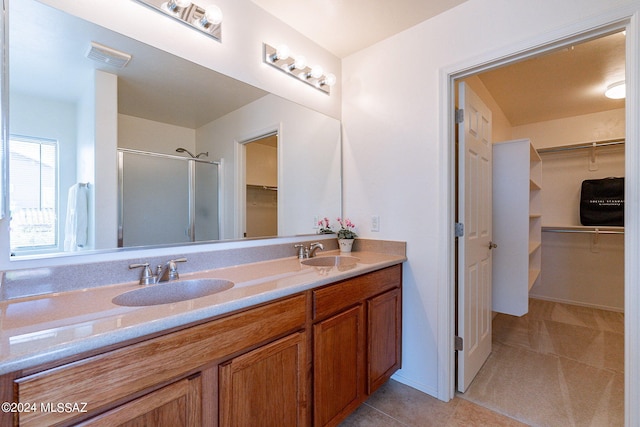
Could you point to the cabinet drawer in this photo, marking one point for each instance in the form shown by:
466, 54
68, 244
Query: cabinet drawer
333, 298
115, 376
176, 405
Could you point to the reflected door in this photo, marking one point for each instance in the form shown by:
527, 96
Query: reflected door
205, 203
261, 177
154, 200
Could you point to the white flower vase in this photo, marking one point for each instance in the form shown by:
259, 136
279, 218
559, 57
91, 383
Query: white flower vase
345, 245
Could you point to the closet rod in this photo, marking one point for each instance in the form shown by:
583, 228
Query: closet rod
603, 143
580, 230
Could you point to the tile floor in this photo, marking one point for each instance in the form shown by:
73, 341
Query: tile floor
560, 365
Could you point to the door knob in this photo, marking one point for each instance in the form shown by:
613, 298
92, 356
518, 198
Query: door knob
492, 245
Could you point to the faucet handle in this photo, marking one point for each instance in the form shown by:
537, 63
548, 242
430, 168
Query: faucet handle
301, 249
147, 277
173, 268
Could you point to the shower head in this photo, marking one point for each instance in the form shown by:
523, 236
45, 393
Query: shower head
184, 150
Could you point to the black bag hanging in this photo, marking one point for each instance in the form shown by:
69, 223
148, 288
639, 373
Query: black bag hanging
602, 202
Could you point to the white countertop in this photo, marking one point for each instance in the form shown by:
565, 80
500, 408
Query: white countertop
46, 328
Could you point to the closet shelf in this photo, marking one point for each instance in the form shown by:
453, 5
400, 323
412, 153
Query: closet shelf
262, 187
533, 245
534, 185
583, 229
603, 143
533, 276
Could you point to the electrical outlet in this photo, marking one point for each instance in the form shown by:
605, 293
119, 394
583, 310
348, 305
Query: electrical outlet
375, 223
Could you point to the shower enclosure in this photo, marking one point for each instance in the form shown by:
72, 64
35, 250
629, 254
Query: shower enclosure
166, 199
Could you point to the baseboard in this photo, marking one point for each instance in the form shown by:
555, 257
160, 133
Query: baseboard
418, 386
578, 303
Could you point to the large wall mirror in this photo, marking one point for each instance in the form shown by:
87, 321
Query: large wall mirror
105, 129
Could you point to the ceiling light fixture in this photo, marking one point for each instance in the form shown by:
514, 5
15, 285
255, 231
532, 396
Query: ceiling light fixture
616, 90
207, 19
107, 55
296, 66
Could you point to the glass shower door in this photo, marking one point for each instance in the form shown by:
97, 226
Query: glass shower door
206, 201
154, 200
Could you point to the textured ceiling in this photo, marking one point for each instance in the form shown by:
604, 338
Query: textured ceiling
565, 83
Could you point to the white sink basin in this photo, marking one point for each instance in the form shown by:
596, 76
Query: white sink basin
331, 261
170, 292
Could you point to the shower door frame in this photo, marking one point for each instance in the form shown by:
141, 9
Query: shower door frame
191, 184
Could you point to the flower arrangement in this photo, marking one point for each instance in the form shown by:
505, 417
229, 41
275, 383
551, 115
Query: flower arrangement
325, 228
346, 230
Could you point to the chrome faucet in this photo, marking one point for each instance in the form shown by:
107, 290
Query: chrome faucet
308, 252
147, 277
313, 248
170, 270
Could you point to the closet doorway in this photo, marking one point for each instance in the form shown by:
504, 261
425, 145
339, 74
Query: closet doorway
261, 186
543, 99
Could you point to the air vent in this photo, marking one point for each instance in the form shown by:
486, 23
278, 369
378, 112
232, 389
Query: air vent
107, 55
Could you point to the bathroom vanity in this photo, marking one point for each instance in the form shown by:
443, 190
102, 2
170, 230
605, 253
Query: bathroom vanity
316, 345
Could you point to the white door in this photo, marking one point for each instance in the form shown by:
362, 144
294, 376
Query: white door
474, 249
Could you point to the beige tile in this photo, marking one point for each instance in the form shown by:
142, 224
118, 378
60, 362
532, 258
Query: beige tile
366, 416
469, 414
410, 406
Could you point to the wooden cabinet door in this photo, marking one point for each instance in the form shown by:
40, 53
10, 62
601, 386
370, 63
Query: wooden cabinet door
176, 405
384, 330
267, 386
338, 365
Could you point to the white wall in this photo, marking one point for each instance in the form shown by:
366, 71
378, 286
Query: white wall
148, 135
106, 164
306, 189
573, 130
393, 130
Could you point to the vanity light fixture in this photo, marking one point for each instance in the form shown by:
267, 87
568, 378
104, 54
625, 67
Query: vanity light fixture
616, 90
296, 66
207, 19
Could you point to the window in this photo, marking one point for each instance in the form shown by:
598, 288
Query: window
33, 176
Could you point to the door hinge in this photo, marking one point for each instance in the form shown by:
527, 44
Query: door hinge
459, 115
459, 344
459, 229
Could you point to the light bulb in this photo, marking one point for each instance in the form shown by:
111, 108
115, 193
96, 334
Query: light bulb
300, 62
329, 80
212, 15
616, 90
282, 52
174, 6
316, 71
